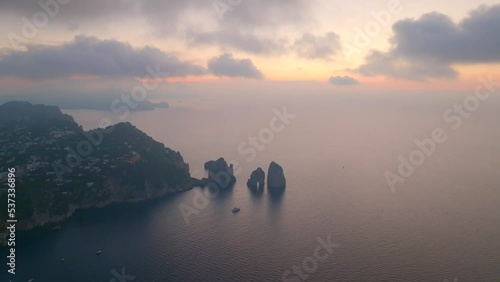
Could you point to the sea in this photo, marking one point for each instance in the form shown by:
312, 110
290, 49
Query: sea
380, 187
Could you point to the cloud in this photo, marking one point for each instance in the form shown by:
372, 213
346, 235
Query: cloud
235, 39
75, 11
343, 80
168, 15
317, 47
240, 14
254, 27
308, 46
378, 63
91, 56
243, 25
268, 13
226, 65
430, 46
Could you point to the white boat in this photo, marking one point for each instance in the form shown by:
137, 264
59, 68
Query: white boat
63, 259
235, 210
98, 252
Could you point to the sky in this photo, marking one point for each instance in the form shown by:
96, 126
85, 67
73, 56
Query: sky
94, 48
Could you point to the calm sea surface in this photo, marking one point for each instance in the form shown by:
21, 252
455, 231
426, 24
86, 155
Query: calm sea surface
442, 223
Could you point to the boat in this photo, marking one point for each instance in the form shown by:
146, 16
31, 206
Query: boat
235, 210
98, 252
63, 259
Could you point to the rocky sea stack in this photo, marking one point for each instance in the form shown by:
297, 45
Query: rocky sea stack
275, 177
220, 173
257, 179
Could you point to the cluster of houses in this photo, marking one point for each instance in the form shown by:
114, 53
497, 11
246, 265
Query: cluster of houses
33, 157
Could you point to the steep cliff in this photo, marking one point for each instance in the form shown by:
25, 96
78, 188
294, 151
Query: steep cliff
60, 168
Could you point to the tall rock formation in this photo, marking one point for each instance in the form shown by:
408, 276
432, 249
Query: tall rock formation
220, 173
275, 177
257, 179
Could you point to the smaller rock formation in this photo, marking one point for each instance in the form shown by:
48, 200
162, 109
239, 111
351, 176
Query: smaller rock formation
275, 177
220, 173
257, 179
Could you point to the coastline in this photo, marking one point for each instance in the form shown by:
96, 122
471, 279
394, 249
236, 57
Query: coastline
47, 221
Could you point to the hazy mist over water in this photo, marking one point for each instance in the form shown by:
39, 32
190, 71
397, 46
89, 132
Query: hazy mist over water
375, 123
441, 223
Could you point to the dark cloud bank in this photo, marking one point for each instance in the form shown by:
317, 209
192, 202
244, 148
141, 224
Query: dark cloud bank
227, 65
91, 56
430, 46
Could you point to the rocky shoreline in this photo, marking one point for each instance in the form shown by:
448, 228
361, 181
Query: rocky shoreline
42, 220
126, 166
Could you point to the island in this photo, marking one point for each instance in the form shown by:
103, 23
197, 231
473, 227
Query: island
61, 168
